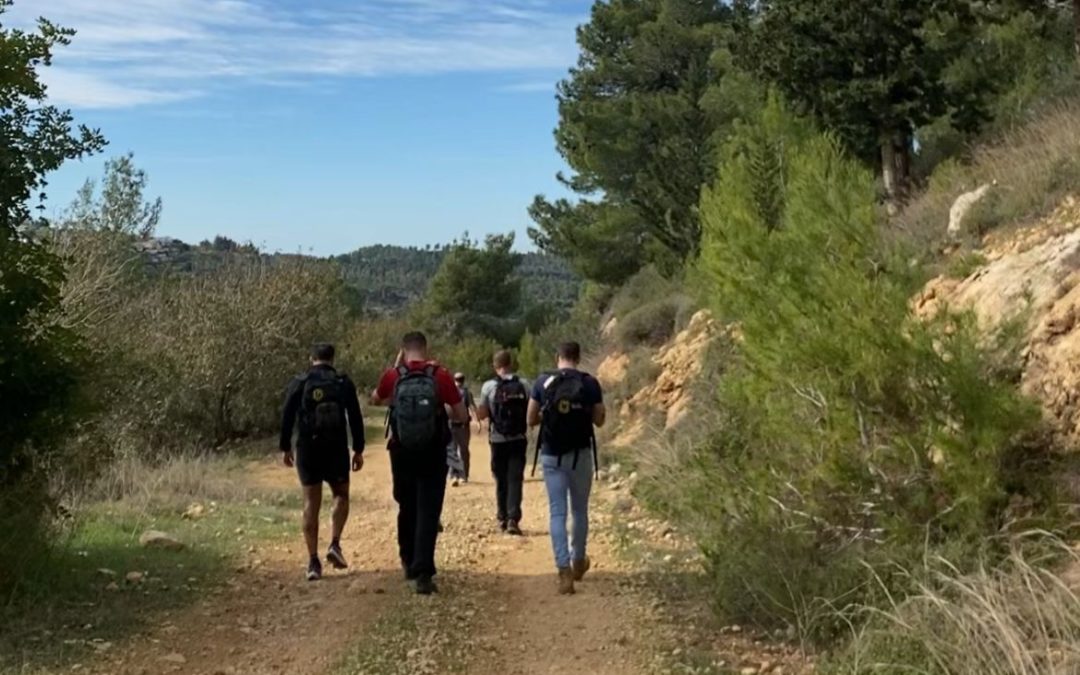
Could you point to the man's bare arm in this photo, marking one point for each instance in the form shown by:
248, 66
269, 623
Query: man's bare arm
599, 414
459, 414
533, 414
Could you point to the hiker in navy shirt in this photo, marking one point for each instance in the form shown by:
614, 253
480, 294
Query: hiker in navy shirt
567, 404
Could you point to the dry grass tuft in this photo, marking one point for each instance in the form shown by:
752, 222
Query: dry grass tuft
169, 485
1020, 618
1034, 166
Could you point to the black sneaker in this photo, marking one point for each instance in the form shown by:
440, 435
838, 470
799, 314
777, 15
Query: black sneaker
514, 529
335, 557
314, 570
425, 585
409, 576
502, 524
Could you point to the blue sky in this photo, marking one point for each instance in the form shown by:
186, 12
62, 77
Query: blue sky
320, 125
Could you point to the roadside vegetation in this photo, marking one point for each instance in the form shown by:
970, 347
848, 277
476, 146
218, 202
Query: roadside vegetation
96, 583
853, 477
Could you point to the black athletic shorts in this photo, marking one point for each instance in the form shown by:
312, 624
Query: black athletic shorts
322, 466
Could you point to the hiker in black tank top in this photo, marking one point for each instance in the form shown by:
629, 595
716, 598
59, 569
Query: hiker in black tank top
326, 406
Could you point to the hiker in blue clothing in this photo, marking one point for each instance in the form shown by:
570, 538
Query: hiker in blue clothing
567, 404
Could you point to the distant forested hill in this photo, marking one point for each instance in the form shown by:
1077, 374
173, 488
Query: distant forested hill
390, 277
386, 278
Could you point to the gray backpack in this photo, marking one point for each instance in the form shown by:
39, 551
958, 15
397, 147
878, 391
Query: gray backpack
417, 416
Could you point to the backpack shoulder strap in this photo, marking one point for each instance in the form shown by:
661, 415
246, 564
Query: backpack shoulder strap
545, 392
430, 370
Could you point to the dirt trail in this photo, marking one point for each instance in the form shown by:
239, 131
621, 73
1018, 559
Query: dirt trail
525, 626
269, 620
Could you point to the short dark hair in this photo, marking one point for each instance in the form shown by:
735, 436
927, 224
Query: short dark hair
323, 351
503, 358
570, 351
414, 340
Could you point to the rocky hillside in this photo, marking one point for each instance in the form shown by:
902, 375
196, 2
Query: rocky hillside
1031, 275
663, 403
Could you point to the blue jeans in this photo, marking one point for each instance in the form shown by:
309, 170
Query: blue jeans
564, 481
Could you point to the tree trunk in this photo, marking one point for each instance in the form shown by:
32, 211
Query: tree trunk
896, 166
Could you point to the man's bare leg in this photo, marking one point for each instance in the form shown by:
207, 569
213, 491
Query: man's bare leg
338, 516
312, 505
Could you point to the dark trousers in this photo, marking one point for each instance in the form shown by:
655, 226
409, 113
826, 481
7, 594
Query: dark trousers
462, 437
419, 489
508, 467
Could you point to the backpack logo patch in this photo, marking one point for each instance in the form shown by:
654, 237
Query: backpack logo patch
564, 406
317, 395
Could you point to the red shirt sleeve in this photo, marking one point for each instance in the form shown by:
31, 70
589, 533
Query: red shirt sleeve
448, 391
386, 384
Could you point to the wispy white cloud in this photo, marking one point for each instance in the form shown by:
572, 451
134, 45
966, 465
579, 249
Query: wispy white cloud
89, 90
138, 52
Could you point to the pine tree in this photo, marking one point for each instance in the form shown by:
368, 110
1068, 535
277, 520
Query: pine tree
871, 71
640, 118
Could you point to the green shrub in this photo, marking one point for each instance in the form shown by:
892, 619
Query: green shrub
40, 357
369, 348
851, 435
197, 360
650, 324
646, 286
963, 266
40, 364
470, 355
530, 360
536, 353
649, 309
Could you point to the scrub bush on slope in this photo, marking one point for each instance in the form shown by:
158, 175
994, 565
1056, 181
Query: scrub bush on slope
850, 437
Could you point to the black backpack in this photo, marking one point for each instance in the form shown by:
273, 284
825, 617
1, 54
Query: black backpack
567, 424
417, 415
509, 404
323, 408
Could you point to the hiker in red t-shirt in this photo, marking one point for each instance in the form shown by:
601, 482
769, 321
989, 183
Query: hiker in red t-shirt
420, 393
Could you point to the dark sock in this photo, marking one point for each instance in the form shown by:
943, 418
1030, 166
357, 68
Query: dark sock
336, 543
314, 558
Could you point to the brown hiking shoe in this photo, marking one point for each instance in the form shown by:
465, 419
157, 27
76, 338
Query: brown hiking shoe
566, 581
580, 567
